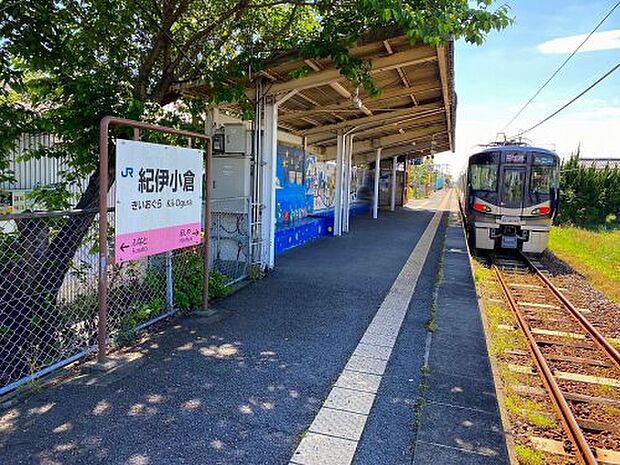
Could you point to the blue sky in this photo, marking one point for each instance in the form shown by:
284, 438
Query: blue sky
495, 79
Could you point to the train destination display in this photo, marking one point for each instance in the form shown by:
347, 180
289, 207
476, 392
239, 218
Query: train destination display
158, 199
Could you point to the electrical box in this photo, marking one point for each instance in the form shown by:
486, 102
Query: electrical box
230, 183
237, 139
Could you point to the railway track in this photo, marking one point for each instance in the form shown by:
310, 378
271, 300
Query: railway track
579, 366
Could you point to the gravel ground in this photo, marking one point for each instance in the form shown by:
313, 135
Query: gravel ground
603, 313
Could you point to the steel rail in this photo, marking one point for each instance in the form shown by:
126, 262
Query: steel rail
595, 333
585, 454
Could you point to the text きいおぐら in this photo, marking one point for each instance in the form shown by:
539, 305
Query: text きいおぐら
149, 204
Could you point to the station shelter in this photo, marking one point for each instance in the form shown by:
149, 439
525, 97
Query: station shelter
320, 149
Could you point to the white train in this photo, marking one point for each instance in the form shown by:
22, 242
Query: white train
509, 195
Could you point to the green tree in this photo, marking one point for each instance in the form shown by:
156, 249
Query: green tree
65, 65
588, 196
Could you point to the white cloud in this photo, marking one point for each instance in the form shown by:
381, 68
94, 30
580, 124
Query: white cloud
607, 40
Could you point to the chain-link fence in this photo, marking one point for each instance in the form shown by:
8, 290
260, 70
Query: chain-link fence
48, 285
229, 253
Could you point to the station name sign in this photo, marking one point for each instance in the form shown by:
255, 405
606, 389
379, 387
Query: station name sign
158, 199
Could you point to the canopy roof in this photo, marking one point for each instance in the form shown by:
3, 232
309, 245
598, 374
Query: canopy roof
414, 113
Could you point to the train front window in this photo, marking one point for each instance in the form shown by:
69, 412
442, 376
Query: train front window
542, 179
484, 177
544, 174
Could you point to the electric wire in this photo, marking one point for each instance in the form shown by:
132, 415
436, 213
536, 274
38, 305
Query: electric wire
540, 89
573, 100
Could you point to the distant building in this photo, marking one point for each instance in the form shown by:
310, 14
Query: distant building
600, 163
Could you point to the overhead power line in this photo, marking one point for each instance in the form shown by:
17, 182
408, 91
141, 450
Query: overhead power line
574, 99
561, 66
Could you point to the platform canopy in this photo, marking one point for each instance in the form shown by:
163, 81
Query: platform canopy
413, 115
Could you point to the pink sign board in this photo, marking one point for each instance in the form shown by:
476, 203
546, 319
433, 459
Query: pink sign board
132, 246
158, 199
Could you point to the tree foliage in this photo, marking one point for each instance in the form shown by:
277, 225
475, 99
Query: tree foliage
66, 64
588, 196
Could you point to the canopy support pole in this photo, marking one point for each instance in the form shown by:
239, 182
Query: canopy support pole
347, 184
393, 196
270, 153
338, 186
375, 198
269, 165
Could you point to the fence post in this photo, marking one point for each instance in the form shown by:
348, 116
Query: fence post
207, 221
102, 324
248, 227
169, 282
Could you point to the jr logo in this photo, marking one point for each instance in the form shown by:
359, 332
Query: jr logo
127, 172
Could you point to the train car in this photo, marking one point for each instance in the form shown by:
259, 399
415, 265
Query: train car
509, 195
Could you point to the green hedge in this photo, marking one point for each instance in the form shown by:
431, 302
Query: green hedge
588, 196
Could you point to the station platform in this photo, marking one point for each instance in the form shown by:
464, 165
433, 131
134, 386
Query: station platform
321, 362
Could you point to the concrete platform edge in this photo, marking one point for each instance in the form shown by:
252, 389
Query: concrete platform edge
500, 393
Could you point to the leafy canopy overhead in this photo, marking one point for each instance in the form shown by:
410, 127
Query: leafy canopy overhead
66, 64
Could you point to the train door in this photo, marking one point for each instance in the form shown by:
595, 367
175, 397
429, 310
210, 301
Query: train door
512, 193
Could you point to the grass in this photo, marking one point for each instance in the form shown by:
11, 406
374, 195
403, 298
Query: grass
534, 412
431, 323
425, 373
527, 456
593, 253
501, 342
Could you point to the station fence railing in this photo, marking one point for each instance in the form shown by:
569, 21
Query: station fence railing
49, 280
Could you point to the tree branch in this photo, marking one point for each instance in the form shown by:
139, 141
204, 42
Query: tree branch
169, 17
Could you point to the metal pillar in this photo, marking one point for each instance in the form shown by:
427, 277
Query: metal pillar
270, 153
268, 178
406, 183
255, 245
348, 152
338, 186
393, 196
375, 198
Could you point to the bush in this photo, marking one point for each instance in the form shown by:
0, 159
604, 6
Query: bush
139, 314
188, 278
187, 274
588, 196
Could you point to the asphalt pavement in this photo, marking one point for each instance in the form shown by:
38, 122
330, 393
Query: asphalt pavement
246, 386
242, 390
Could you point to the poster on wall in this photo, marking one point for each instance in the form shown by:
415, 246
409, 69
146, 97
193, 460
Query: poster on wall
310, 181
290, 166
159, 199
6, 206
324, 196
16, 201
291, 199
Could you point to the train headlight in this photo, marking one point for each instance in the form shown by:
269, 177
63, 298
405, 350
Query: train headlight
480, 207
541, 211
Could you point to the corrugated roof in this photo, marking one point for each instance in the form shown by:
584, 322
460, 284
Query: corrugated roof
414, 113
